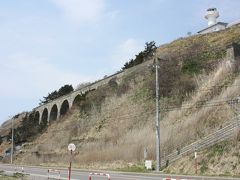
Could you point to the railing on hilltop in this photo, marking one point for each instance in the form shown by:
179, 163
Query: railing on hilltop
222, 134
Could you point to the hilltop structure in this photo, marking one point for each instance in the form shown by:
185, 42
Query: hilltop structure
211, 15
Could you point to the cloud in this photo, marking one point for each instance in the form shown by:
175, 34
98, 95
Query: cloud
27, 77
82, 11
126, 51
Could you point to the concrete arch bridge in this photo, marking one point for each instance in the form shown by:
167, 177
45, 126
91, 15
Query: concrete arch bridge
53, 110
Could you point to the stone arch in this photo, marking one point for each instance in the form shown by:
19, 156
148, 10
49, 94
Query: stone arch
64, 107
37, 116
53, 113
44, 118
76, 100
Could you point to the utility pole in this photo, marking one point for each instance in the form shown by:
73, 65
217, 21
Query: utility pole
157, 119
12, 142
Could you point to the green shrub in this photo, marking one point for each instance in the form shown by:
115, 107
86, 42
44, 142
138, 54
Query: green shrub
203, 167
150, 48
66, 89
29, 128
191, 67
134, 168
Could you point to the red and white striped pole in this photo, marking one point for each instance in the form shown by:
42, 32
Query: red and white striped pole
71, 147
69, 169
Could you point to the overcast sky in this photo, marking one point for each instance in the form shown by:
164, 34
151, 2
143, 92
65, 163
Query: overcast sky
45, 44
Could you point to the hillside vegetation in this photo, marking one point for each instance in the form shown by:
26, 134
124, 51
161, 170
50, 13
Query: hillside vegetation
220, 159
112, 125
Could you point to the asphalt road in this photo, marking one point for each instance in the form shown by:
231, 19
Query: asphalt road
41, 173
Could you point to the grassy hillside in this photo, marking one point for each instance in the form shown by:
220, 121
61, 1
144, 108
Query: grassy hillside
112, 125
221, 159
185, 58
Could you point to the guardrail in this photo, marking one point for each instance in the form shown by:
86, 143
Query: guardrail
175, 179
98, 174
177, 148
54, 174
19, 169
220, 135
234, 103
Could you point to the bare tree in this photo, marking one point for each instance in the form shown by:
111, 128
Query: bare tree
82, 85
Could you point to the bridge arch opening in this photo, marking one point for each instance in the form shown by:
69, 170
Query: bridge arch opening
64, 108
53, 113
77, 100
44, 118
37, 117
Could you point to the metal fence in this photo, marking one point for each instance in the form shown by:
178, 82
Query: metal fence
222, 134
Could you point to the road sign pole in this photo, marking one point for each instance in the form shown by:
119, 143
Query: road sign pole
71, 148
70, 167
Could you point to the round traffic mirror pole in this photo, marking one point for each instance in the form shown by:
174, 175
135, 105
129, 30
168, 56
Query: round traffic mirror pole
70, 165
71, 148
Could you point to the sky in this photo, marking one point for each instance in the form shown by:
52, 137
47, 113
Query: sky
45, 44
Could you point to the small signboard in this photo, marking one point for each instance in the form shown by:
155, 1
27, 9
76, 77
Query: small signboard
148, 164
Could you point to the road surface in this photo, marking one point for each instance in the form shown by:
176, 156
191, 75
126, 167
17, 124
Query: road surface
41, 173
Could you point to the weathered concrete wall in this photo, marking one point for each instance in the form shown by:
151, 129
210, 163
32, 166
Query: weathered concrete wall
236, 48
233, 56
213, 28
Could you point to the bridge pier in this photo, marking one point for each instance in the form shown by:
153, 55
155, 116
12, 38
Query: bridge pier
58, 114
48, 118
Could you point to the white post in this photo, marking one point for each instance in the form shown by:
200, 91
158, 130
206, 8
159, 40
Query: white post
157, 120
12, 142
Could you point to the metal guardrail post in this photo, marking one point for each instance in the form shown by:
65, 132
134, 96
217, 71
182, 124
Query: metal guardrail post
98, 174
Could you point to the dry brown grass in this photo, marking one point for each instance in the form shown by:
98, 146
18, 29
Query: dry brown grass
221, 159
192, 123
204, 42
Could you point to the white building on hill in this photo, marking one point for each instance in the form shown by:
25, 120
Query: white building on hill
211, 15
